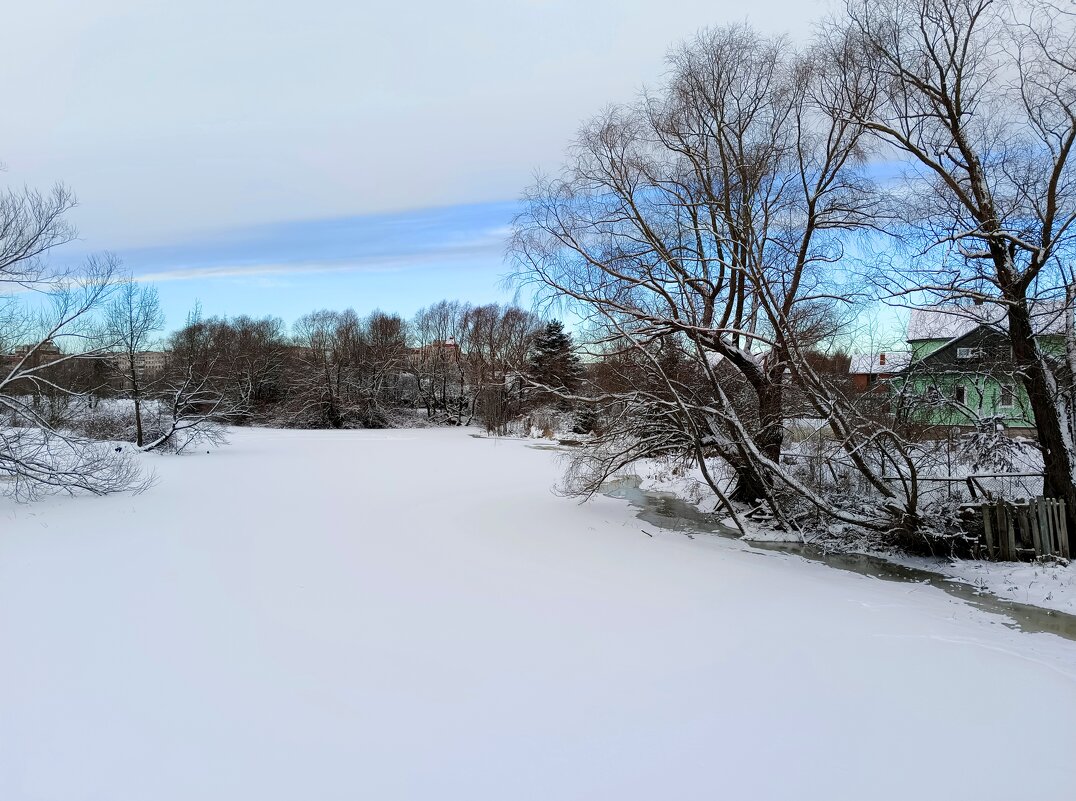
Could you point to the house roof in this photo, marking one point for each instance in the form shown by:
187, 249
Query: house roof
871, 363
952, 321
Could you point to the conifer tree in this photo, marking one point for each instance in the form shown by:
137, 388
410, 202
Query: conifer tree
553, 362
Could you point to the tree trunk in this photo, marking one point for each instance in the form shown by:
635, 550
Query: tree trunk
752, 483
135, 395
138, 422
750, 486
771, 410
1056, 458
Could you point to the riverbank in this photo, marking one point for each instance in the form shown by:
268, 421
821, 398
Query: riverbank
1050, 585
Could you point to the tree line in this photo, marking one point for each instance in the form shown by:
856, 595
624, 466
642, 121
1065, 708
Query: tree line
86, 362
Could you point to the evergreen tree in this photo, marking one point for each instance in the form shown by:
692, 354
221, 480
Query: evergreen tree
552, 361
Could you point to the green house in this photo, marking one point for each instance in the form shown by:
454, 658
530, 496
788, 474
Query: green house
961, 372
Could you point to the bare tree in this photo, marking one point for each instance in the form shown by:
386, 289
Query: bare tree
979, 98
703, 221
383, 360
340, 368
31, 224
132, 318
495, 342
46, 326
437, 362
251, 360
191, 405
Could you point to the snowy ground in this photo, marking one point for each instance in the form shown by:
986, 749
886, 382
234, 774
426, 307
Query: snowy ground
414, 615
1048, 585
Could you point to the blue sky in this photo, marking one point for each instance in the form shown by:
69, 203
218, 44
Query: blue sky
397, 261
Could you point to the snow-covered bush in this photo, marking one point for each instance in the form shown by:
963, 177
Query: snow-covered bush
989, 449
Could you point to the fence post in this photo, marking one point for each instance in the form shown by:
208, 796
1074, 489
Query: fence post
1010, 531
1062, 530
988, 530
1041, 530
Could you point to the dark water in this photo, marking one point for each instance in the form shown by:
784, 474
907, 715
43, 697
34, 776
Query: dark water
673, 514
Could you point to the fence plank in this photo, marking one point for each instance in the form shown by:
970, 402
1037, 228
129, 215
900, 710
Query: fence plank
1062, 530
1057, 534
1049, 526
1039, 528
1011, 529
999, 528
988, 530
1055, 527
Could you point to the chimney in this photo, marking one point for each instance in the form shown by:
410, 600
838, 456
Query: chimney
881, 359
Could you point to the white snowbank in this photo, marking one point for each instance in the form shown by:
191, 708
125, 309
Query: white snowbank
683, 481
1049, 585
414, 615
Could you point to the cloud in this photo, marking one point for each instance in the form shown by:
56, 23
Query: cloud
370, 264
383, 243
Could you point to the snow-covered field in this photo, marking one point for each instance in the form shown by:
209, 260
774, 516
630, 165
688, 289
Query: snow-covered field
414, 615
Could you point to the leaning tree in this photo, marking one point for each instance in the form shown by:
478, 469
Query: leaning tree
47, 326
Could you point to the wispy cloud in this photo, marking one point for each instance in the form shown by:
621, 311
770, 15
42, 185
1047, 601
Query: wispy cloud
368, 244
400, 261
369, 264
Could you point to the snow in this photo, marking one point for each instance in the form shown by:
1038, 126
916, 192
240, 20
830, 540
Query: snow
414, 615
1050, 585
949, 321
873, 364
682, 479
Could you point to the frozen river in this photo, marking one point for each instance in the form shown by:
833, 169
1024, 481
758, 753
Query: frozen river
415, 615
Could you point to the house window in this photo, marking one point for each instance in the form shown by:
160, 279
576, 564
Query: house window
968, 353
1005, 396
959, 393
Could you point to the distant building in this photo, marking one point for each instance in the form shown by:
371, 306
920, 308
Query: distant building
962, 369
448, 350
39, 350
867, 369
30, 356
959, 372
148, 364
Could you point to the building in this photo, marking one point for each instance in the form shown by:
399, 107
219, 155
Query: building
867, 369
39, 352
27, 357
447, 350
148, 365
961, 372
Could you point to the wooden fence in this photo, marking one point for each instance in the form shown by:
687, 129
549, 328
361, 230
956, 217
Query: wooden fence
1025, 529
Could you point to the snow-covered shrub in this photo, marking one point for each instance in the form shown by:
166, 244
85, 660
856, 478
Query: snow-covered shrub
989, 450
110, 423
